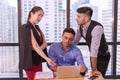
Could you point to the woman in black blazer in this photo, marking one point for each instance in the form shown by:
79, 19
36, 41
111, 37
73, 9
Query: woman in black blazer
33, 49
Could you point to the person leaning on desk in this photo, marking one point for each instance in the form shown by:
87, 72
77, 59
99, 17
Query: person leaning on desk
66, 54
93, 33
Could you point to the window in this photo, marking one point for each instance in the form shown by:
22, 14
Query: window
9, 38
8, 21
118, 40
52, 17
9, 62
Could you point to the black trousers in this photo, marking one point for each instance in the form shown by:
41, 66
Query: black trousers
102, 63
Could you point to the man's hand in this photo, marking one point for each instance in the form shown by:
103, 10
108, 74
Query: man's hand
54, 68
96, 73
83, 69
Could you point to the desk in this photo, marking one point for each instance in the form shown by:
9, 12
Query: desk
72, 79
81, 78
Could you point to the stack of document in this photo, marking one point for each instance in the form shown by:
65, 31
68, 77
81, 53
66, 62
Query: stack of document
44, 75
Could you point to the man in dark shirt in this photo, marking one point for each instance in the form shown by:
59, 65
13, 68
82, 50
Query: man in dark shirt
92, 32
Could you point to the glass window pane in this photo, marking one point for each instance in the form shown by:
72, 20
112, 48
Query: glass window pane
109, 69
118, 40
118, 21
103, 14
9, 62
8, 21
118, 60
54, 19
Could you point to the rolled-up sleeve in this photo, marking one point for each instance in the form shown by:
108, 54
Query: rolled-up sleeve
77, 37
96, 39
79, 57
51, 53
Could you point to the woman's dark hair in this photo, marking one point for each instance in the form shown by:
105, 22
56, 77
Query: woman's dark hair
33, 10
85, 10
69, 30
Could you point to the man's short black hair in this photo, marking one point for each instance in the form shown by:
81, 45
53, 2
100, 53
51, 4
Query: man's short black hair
69, 30
85, 10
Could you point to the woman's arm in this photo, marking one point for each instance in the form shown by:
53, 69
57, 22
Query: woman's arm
37, 48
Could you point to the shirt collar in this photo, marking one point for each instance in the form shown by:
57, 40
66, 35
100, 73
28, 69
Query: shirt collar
62, 47
86, 26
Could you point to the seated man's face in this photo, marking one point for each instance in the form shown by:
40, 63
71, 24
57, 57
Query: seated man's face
67, 39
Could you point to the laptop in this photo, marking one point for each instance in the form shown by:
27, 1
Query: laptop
68, 72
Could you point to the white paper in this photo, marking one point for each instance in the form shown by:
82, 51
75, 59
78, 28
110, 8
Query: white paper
44, 75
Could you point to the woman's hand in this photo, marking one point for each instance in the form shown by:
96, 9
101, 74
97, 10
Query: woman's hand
50, 62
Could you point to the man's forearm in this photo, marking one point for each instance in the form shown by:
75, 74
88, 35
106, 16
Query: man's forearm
83, 69
93, 63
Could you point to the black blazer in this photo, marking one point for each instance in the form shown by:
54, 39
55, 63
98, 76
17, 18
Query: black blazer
27, 56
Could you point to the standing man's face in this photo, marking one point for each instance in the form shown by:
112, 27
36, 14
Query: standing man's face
81, 19
67, 39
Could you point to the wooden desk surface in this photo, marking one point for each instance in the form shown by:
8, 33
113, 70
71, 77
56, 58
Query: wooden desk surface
79, 79
82, 78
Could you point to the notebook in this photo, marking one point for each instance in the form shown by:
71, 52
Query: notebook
68, 72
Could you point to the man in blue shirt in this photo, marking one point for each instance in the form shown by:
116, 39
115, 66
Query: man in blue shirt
66, 54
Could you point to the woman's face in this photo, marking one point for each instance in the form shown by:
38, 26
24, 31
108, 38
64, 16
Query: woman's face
36, 17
